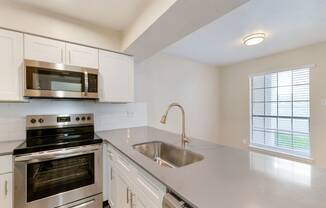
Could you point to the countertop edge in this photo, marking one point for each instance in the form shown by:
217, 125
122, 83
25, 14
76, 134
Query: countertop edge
153, 175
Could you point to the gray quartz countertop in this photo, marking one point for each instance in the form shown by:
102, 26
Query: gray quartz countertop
7, 147
227, 177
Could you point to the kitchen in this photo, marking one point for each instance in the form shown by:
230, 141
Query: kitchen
224, 109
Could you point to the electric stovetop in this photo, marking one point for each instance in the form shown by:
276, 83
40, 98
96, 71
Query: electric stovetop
55, 132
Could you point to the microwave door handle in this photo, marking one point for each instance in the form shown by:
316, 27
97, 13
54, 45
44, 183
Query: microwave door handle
86, 82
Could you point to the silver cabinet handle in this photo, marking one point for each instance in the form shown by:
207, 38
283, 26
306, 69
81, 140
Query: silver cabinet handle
127, 195
6, 188
131, 200
111, 174
86, 82
61, 55
110, 155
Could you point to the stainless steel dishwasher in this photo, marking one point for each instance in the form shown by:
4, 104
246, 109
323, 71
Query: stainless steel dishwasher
170, 201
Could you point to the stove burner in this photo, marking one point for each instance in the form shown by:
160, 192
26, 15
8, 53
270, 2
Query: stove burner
57, 131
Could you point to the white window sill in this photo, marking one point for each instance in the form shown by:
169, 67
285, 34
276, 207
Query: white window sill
279, 153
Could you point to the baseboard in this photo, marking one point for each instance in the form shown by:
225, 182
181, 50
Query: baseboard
106, 203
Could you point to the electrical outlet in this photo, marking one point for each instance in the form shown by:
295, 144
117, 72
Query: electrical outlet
323, 102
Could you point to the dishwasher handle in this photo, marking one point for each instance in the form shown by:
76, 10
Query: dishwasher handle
169, 201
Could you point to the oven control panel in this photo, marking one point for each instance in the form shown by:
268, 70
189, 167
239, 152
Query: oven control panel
35, 121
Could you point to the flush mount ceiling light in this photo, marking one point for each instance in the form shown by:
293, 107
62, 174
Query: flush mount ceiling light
253, 39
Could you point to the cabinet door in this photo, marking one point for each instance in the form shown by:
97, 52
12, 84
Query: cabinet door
148, 187
116, 81
11, 62
123, 192
113, 188
141, 201
44, 49
81, 56
6, 193
112, 184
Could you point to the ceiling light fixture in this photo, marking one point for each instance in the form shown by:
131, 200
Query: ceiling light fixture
253, 39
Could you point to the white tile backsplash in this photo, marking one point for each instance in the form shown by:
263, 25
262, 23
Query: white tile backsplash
107, 116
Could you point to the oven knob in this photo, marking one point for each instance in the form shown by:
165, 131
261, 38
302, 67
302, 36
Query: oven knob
77, 118
41, 120
88, 118
83, 118
33, 121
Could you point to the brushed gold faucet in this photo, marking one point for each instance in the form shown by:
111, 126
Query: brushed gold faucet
184, 139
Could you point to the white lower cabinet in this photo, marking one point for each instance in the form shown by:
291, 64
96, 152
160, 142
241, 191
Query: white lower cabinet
112, 183
143, 201
6, 191
130, 186
6, 182
124, 192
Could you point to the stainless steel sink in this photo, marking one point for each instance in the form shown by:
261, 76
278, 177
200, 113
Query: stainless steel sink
167, 155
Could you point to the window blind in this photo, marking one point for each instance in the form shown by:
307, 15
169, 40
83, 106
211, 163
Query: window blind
280, 111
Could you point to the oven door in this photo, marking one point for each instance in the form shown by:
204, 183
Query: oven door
58, 177
44, 79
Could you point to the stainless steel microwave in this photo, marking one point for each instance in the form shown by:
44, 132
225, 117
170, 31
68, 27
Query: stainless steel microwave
51, 80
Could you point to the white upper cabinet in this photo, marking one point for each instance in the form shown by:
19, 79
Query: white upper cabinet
44, 49
81, 56
116, 82
11, 62
54, 51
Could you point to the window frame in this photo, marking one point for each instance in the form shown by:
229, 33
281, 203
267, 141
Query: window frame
278, 150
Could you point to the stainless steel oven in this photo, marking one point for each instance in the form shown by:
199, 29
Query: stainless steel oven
50, 80
60, 163
58, 177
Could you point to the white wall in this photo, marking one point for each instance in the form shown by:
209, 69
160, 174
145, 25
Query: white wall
163, 79
31, 20
153, 11
107, 116
234, 97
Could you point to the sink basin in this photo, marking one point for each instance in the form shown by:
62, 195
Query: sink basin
167, 155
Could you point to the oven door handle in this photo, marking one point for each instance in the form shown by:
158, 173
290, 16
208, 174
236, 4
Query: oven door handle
56, 154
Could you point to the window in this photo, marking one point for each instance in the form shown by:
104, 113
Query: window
280, 112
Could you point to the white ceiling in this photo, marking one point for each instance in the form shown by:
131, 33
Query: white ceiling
288, 24
114, 14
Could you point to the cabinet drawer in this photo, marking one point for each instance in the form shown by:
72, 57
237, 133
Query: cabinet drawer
5, 164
